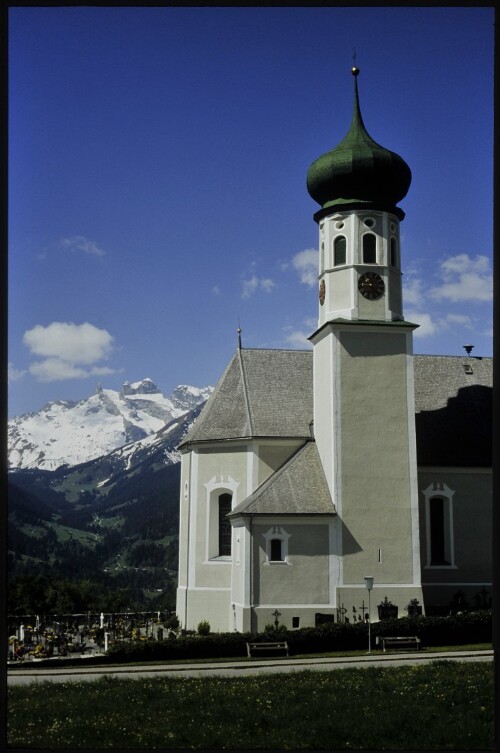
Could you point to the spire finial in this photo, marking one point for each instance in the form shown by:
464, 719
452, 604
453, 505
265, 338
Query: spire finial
239, 336
354, 69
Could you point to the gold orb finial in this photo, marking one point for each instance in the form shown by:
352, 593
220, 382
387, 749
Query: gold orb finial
355, 70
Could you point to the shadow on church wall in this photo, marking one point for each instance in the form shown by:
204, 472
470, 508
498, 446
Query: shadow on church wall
459, 434
349, 543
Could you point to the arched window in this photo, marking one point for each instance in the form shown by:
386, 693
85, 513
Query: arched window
224, 525
339, 250
394, 253
439, 525
369, 248
439, 532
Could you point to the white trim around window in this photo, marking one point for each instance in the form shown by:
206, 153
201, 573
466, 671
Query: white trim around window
276, 539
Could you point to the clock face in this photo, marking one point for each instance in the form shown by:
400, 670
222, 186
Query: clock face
322, 292
371, 286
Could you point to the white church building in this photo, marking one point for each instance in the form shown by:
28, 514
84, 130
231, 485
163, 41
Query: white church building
308, 470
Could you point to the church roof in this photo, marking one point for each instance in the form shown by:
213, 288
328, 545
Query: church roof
269, 393
358, 172
454, 410
298, 487
262, 393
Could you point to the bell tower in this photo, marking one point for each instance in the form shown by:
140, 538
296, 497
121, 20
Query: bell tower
358, 185
364, 419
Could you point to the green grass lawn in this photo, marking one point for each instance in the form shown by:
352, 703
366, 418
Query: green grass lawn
443, 705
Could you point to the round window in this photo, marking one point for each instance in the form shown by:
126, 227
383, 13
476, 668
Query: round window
339, 225
393, 227
369, 222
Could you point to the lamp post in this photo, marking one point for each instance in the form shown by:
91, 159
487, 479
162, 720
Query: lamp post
369, 586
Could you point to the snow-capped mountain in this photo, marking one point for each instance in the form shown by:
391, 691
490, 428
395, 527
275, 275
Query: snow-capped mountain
69, 433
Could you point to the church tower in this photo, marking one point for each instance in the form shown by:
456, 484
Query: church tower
364, 418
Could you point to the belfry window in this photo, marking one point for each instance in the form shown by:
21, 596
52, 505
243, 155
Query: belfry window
224, 525
394, 253
369, 248
339, 251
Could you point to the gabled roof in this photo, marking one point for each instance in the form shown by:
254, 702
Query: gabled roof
298, 487
262, 393
269, 393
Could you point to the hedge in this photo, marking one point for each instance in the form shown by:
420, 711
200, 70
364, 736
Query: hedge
460, 629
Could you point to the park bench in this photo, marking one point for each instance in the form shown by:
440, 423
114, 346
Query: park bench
275, 646
398, 642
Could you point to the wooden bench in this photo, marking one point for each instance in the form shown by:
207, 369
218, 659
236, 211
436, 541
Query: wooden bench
398, 642
276, 646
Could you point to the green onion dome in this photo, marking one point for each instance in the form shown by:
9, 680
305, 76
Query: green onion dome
358, 173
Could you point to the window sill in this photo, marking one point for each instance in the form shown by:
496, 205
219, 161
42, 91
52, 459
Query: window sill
441, 567
277, 562
218, 560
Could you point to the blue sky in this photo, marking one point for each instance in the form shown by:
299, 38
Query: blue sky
157, 182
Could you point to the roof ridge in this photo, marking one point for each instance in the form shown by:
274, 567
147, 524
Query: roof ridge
274, 477
245, 392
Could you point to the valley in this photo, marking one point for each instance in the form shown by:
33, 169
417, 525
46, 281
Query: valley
112, 519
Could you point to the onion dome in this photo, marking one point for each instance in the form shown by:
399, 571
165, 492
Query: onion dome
358, 173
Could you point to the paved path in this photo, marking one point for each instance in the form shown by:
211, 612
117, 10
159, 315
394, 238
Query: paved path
243, 668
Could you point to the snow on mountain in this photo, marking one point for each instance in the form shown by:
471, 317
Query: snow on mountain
69, 433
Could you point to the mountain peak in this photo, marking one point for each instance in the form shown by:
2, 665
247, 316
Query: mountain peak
69, 433
143, 387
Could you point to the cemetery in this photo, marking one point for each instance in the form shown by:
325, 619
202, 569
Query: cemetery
36, 637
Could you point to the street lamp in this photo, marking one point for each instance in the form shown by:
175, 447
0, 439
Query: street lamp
369, 586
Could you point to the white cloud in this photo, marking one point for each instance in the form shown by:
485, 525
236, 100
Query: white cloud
55, 369
412, 291
427, 326
255, 283
306, 264
13, 375
461, 319
215, 290
69, 351
267, 285
298, 338
463, 263
75, 343
80, 243
464, 279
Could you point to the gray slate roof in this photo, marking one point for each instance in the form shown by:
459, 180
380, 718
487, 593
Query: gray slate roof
262, 393
454, 411
269, 393
298, 487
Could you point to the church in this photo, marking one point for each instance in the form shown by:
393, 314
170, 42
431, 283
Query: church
308, 472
